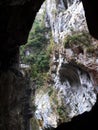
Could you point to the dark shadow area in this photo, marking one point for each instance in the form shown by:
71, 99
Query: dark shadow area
90, 7
85, 121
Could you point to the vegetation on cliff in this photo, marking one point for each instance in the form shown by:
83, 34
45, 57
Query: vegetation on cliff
36, 52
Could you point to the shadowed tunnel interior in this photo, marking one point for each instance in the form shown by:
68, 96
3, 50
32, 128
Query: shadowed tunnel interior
16, 19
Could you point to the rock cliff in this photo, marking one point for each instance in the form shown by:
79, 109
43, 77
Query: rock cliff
64, 18
71, 89
16, 18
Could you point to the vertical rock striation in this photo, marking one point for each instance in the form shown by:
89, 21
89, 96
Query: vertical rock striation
71, 90
64, 17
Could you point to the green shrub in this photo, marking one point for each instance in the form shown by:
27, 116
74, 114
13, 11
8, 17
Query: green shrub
39, 55
82, 38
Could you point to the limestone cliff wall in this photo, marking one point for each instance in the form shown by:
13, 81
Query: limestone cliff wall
71, 90
65, 17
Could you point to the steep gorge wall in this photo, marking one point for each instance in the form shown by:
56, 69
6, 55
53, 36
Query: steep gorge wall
64, 20
16, 18
71, 90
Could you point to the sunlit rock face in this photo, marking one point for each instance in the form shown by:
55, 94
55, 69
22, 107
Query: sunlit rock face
72, 94
64, 17
76, 87
71, 91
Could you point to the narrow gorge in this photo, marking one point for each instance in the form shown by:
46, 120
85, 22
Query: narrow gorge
48, 64
64, 64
